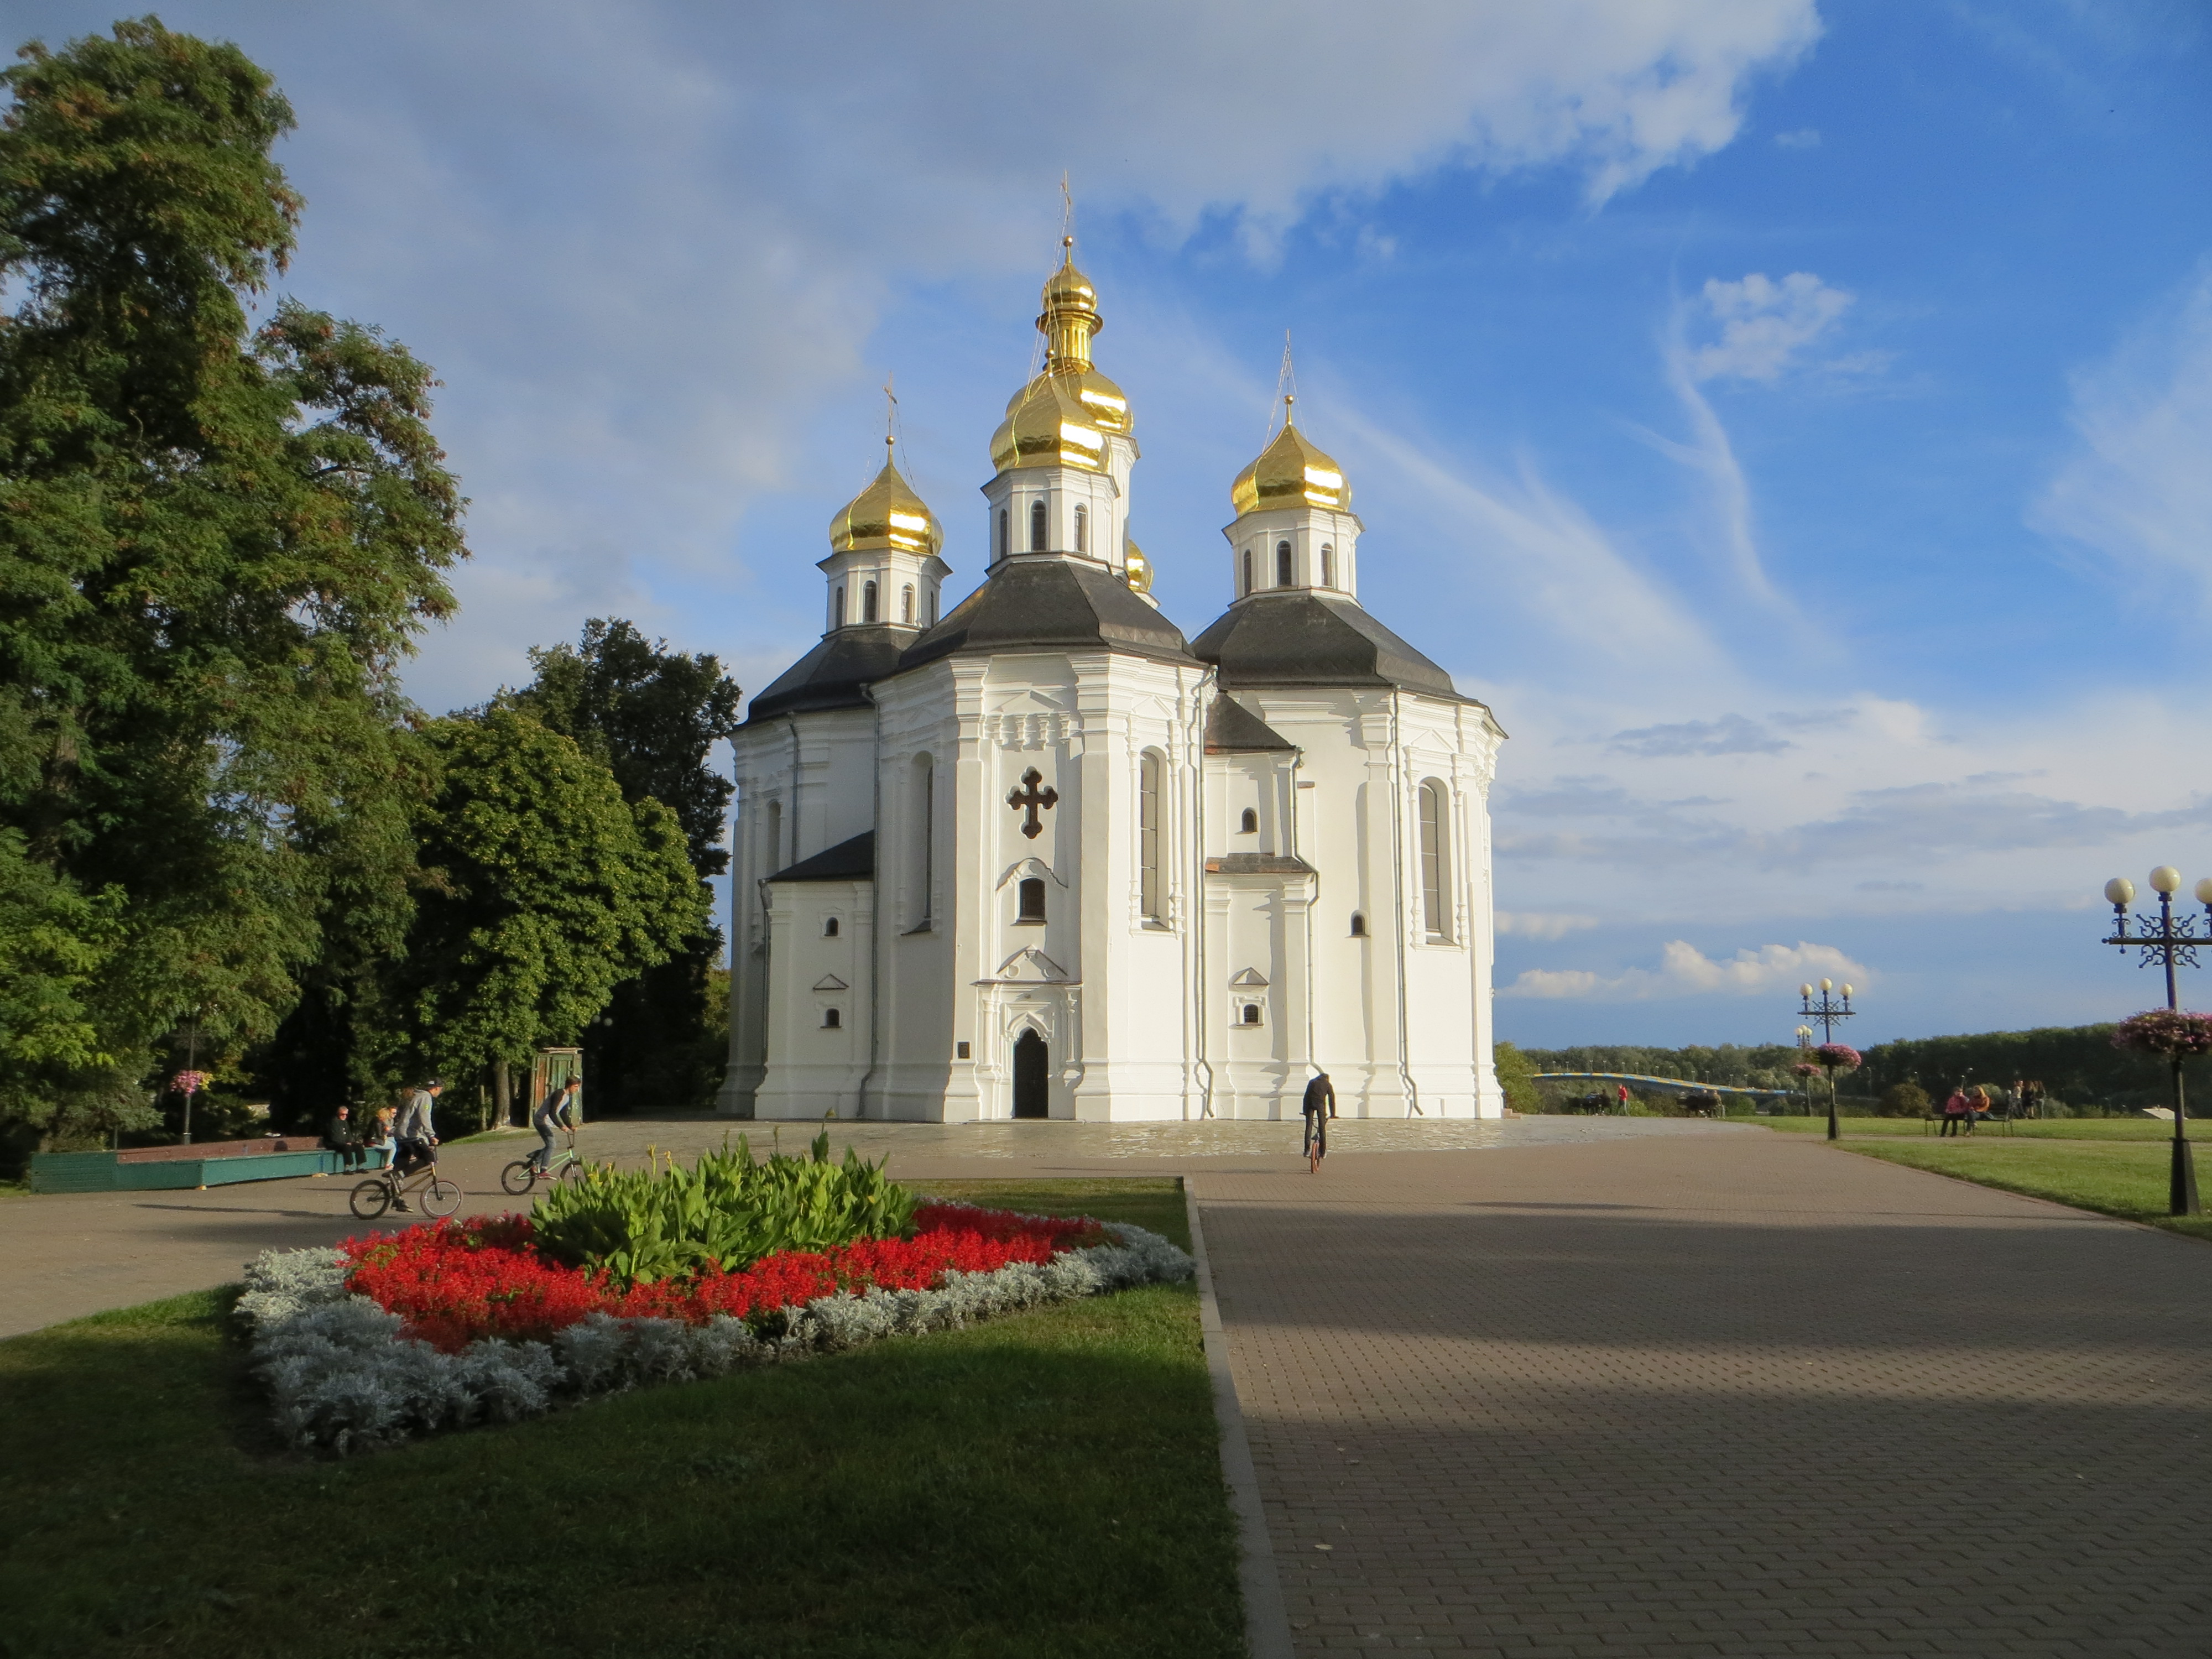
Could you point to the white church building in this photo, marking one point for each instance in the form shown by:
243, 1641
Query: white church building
1043, 856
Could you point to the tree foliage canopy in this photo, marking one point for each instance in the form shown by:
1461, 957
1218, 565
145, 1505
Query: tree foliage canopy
215, 543
543, 889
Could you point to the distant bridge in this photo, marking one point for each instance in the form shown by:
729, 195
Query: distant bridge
1664, 1084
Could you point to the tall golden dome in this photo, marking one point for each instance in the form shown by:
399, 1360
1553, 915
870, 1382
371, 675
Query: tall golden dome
1291, 472
887, 514
1063, 416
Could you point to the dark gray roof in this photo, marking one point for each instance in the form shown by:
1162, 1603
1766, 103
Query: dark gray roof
1048, 604
1231, 728
848, 861
830, 676
1306, 638
1257, 864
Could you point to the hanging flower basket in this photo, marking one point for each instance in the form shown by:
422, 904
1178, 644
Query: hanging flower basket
1838, 1056
189, 1083
2164, 1031
1806, 1068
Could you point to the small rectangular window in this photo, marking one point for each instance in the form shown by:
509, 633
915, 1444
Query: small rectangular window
1029, 900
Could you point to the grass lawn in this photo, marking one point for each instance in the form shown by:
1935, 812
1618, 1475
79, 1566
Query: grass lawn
2122, 1178
1044, 1485
2055, 1128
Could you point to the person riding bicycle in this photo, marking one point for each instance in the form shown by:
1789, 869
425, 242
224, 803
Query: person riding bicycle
416, 1133
556, 1111
1317, 1108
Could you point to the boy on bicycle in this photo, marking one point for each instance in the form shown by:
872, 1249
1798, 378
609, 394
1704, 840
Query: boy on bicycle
555, 1111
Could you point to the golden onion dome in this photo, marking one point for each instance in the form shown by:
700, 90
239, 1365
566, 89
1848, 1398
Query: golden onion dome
1064, 417
1139, 567
1291, 472
887, 514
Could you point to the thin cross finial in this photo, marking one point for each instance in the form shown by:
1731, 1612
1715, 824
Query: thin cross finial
1067, 220
890, 418
1286, 388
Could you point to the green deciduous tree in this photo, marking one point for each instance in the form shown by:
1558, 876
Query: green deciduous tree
215, 542
541, 889
1516, 1076
654, 716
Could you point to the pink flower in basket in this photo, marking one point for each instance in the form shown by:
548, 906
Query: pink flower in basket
2164, 1031
189, 1083
1806, 1068
1838, 1056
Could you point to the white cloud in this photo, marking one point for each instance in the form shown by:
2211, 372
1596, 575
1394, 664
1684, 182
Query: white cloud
1541, 924
1764, 325
1802, 138
1684, 971
2138, 487
647, 246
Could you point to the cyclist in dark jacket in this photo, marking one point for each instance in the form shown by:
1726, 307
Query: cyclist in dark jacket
556, 1111
1318, 1107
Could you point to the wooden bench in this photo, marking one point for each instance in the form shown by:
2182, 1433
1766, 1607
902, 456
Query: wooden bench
211, 1163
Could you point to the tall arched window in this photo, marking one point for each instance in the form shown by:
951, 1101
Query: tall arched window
837, 608
1082, 529
868, 602
1328, 565
933, 607
925, 838
1036, 526
906, 604
1434, 823
1002, 532
1248, 575
1151, 896
1282, 564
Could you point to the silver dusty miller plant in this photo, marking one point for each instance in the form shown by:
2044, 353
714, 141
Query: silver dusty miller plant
342, 1376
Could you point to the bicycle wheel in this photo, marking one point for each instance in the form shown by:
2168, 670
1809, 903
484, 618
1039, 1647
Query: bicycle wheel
371, 1198
572, 1170
440, 1197
517, 1177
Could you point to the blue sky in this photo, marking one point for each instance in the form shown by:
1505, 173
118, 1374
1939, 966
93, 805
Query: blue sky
1794, 420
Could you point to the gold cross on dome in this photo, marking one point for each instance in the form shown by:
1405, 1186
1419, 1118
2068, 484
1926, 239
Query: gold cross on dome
1029, 799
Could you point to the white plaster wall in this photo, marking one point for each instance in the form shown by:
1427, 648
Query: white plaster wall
814, 1069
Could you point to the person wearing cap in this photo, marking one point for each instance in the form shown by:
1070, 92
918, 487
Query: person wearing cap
416, 1135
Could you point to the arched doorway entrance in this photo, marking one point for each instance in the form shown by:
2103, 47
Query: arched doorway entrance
1032, 1083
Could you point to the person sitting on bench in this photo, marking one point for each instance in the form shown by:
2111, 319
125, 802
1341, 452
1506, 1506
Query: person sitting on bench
338, 1137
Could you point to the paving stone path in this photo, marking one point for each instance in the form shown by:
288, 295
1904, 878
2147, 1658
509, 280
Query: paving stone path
1558, 1387
1737, 1395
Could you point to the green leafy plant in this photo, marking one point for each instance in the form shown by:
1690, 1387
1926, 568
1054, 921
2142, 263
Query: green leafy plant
728, 1210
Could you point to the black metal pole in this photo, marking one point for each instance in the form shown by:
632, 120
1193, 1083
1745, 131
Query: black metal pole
1833, 1132
2181, 1195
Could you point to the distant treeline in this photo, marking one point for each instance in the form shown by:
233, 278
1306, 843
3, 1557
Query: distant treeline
2075, 1064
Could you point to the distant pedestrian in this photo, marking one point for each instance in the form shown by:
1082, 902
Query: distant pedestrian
1957, 1112
1318, 1107
338, 1137
1621, 1097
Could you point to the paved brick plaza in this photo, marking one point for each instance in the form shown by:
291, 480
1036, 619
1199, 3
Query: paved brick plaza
1740, 1395
1575, 1388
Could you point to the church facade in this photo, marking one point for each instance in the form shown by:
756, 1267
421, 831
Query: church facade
1042, 855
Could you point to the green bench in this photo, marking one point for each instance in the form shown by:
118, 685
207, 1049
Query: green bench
215, 1163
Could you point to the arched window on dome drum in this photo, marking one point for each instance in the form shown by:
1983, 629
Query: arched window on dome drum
933, 607
1282, 564
1327, 567
906, 604
1433, 823
1037, 526
1082, 529
1248, 575
868, 602
1002, 532
1149, 897
837, 610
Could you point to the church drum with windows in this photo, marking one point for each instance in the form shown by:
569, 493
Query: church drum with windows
1043, 856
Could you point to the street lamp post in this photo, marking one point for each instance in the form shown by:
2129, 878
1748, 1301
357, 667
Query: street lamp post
2171, 943
1827, 1011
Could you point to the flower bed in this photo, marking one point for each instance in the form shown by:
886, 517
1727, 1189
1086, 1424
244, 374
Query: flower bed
459, 1281
439, 1327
